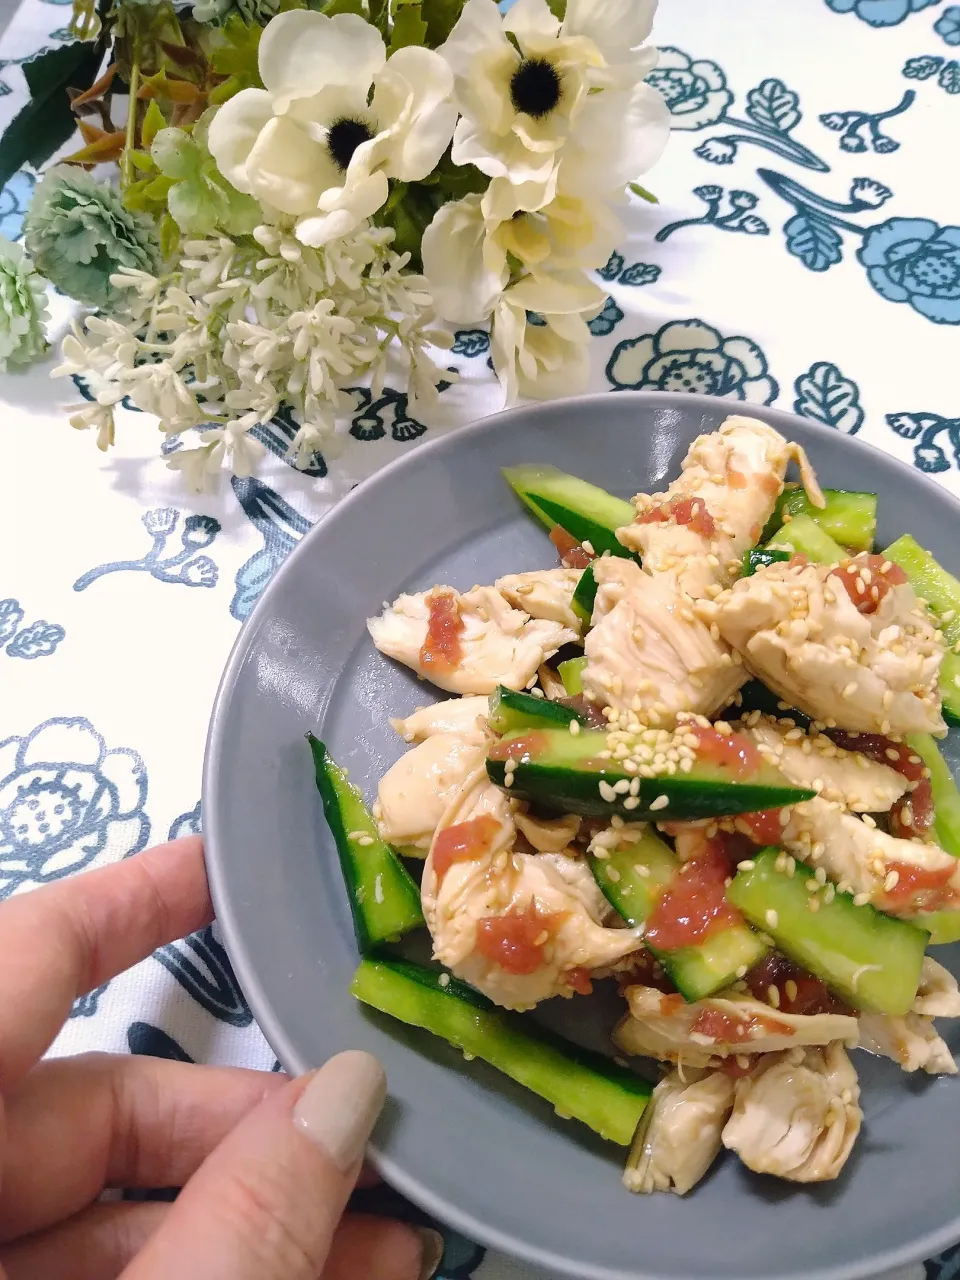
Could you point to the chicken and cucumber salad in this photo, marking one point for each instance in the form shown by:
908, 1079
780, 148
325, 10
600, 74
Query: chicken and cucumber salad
698, 760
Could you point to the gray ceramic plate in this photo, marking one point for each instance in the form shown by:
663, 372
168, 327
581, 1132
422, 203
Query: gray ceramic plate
457, 1138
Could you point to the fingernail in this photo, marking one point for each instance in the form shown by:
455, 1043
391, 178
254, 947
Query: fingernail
340, 1105
432, 1252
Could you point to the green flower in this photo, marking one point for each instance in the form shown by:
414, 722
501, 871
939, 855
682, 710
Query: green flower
23, 308
78, 234
200, 200
251, 11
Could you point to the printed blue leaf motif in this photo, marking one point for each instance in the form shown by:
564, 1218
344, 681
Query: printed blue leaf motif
207, 976
470, 342
949, 77
86, 1006
640, 273
823, 393
36, 641
606, 321
773, 106
608, 273
186, 824
151, 1042
11, 615
948, 24
65, 799
281, 528
811, 238
922, 68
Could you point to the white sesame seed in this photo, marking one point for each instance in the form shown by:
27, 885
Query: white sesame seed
631, 802
606, 791
661, 802
747, 865
444, 980
365, 840
773, 996
613, 874
861, 899
871, 822
574, 727
741, 971
790, 990
771, 918
890, 883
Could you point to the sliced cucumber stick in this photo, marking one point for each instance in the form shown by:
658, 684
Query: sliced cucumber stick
946, 797
585, 595
760, 557
512, 711
941, 590
872, 960
804, 536
849, 518
580, 1085
588, 513
571, 673
384, 898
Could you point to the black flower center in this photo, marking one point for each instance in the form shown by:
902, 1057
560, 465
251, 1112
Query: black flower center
535, 87
343, 138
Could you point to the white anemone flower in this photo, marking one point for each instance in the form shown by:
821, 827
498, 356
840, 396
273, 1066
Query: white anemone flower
534, 91
335, 120
540, 340
467, 249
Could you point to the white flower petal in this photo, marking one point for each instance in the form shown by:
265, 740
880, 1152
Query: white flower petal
72, 741
464, 288
483, 61
234, 130
532, 22
344, 209
287, 168
557, 294
413, 107
619, 136
301, 51
617, 28
125, 770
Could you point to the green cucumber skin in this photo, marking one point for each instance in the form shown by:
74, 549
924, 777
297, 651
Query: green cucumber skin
805, 537
571, 673
587, 512
384, 898
836, 941
512, 712
585, 595
943, 926
946, 797
558, 779
941, 590
587, 1087
760, 557
849, 518
696, 971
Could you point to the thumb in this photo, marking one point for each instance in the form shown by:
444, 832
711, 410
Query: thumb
265, 1204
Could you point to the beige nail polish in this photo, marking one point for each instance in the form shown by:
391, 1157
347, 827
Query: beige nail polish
432, 1252
340, 1105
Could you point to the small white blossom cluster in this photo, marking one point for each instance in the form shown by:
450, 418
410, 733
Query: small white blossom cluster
238, 331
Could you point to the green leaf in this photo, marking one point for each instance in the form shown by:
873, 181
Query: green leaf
169, 236
46, 122
153, 122
441, 17
643, 193
333, 7
558, 8
379, 15
408, 26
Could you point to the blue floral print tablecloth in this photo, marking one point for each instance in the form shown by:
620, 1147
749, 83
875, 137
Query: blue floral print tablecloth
805, 253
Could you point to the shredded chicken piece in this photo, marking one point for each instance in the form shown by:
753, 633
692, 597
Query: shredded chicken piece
649, 657
860, 857
737, 474
806, 759
415, 792
937, 995
544, 593
500, 882
466, 717
910, 1041
802, 634
679, 1135
797, 1119
498, 644
660, 1026
547, 835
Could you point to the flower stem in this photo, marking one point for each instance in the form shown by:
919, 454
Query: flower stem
762, 136
801, 198
665, 232
905, 102
131, 138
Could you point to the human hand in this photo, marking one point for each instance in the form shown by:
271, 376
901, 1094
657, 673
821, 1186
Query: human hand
266, 1163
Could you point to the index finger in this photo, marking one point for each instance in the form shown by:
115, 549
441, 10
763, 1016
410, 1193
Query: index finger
58, 942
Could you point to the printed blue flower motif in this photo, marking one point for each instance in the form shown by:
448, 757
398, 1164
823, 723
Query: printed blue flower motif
151, 1042
470, 343
182, 566
11, 615
825, 395
851, 125
62, 33
945, 1266
38, 640
201, 966
369, 422
948, 24
916, 261
281, 528
695, 92
277, 435
86, 1006
186, 824
638, 273
924, 428
15, 200
690, 355
881, 13
606, 321
66, 801
735, 218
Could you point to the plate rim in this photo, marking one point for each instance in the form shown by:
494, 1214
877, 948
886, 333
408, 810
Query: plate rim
431, 1201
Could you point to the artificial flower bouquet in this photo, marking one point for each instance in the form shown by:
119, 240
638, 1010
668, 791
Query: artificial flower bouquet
274, 197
